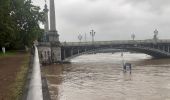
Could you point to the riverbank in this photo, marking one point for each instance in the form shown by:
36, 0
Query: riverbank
13, 70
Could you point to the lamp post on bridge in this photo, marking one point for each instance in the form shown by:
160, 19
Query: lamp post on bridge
155, 37
80, 37
92, 33
133, 36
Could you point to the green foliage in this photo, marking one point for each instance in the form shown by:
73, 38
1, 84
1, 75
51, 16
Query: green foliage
19, 24
8, 53
6, 25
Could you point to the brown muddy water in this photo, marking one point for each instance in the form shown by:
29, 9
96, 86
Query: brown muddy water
100, 77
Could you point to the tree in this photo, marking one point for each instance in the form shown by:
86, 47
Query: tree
19, 24
7, 28
27, 17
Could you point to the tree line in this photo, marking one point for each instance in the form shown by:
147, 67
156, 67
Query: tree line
19, 23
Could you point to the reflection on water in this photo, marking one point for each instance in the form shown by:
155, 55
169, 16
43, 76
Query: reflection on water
100, 77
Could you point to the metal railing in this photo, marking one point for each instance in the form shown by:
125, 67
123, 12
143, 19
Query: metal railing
35, 86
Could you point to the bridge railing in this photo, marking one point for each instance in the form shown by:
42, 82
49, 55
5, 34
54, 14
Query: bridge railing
113, 42
35, 86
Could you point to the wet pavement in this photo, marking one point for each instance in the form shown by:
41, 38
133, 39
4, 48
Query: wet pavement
100, 77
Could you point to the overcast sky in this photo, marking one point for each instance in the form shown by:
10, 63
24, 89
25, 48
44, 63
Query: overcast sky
111, 19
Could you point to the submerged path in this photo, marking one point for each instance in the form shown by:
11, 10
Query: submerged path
9, 66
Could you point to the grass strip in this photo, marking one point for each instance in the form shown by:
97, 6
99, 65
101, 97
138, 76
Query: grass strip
8, 53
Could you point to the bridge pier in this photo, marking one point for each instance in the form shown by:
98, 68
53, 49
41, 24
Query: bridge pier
49, 54
56, 54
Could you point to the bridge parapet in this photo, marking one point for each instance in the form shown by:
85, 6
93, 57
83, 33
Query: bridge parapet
158, 49
117, 42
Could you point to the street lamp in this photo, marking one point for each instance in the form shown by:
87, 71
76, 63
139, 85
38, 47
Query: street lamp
92, 33
133, 37
80, 37
155, 37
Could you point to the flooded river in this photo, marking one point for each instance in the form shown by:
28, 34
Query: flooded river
100, 77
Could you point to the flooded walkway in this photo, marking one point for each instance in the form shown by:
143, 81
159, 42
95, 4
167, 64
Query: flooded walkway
10, 65
100, 77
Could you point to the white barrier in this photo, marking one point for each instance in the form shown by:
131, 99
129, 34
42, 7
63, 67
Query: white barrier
35, 86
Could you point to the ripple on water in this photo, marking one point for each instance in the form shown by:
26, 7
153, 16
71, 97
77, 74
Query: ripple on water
100, 77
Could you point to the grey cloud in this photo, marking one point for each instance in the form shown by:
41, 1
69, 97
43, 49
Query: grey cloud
156, 6
91, 16
112, 19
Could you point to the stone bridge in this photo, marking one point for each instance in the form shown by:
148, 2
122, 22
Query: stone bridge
157, 49
52, 51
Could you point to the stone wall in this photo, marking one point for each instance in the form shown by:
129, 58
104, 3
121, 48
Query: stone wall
45, 54
49, 54
56, 54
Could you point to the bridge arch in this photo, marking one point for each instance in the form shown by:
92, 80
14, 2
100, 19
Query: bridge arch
92, 51
154, 52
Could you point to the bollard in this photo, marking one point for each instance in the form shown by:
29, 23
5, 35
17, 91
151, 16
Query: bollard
3, 50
